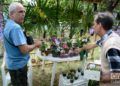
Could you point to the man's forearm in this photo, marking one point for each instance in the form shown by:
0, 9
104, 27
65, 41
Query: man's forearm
31, 47
90, 46
27, 48
106, 77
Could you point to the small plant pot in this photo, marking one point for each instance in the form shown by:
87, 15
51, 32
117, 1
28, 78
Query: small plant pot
82, 53
49, 51
71, 80
55, 53
46, 53
79, 70
66, 50
42, 53
82, 73
76, 77
64, 74
68, 76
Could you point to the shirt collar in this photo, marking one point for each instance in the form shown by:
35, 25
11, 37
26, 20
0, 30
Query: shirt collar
103, 38
10, 20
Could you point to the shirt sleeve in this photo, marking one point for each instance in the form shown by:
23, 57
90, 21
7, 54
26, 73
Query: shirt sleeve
99, 43
113, 56
18, 37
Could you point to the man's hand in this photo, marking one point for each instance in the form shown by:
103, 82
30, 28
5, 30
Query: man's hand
86, 47
27, 48
105, 77
89, 47
37, 43
78, 50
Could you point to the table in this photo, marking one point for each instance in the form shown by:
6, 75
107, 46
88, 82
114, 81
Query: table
55, 60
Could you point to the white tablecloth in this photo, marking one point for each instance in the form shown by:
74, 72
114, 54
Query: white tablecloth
55, 60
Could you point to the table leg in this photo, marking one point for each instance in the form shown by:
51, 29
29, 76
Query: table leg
43, 64
53, 73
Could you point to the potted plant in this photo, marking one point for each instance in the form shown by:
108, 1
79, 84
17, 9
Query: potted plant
55, 50
43, 47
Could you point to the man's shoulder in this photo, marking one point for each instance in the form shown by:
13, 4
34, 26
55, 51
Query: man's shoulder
12, 24
113, 38
16, 26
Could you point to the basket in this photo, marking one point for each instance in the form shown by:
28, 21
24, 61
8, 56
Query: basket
92, 72
63, 81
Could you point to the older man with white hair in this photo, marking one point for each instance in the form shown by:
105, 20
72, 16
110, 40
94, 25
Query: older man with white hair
17, 49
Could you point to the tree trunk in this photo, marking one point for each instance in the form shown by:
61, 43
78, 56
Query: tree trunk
112, 5
72, 21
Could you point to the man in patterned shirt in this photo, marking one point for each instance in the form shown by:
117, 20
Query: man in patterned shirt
110, 47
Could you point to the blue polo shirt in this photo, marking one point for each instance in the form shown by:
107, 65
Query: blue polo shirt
14, 37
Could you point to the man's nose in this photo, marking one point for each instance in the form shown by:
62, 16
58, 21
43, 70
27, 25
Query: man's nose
23, 14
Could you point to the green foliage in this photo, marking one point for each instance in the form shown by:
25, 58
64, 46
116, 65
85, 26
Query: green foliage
48, 12
79, 43
77, 13
93, 83
69, 43
1, 1
43, 46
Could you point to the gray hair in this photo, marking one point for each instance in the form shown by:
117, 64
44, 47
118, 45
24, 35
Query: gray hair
13, 6
105, 18
103, 15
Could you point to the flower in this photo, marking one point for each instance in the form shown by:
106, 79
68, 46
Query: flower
65, 46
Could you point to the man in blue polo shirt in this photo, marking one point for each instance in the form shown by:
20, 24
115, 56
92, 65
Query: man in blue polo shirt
17, 49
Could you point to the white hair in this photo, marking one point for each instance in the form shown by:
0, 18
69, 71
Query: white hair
13, 6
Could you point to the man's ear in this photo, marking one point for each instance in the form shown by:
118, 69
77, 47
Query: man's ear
12, 14
100, 25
